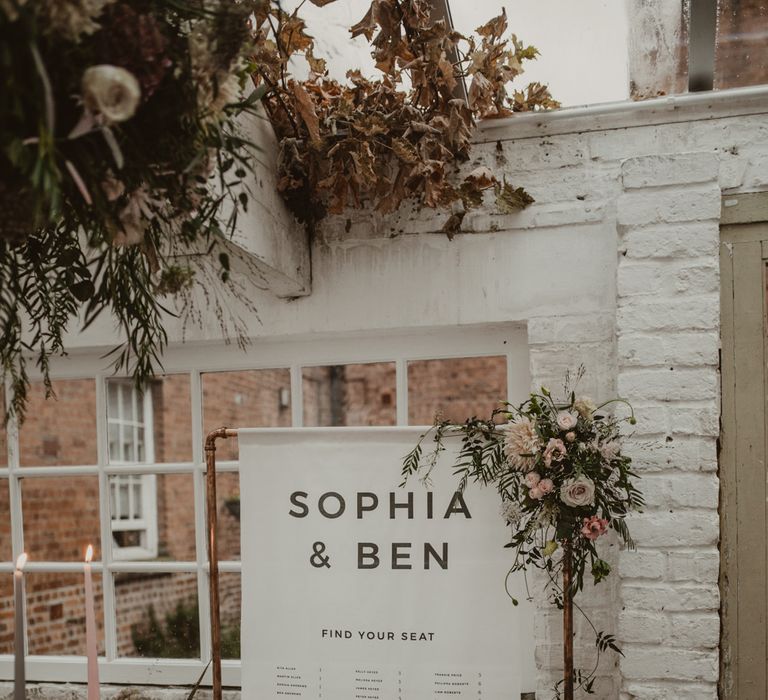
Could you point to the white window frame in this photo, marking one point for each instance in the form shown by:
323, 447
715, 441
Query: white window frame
148, 522
509, 340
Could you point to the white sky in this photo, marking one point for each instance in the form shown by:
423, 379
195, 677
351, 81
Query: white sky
583, 43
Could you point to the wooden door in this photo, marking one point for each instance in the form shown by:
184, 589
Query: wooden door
743, 260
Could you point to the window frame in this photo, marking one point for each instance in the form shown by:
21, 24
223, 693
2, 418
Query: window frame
148, 521
195, 360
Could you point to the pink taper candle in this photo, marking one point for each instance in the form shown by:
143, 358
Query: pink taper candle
90, 630
19, 678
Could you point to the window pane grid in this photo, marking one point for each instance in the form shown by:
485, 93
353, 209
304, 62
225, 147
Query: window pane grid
107, 469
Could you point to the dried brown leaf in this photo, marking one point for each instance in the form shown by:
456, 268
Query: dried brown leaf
306, 110
495, 27
480, 94
404, 150
366, 26
453, 225
481, 177
510, 200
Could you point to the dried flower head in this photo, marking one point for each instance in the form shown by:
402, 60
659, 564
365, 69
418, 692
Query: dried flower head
71, 19
521, 444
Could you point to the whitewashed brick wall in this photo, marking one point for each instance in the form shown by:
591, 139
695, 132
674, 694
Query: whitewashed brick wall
660, 188
668, 305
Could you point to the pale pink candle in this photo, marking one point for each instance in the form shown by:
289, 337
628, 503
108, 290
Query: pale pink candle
19, 678
90, 630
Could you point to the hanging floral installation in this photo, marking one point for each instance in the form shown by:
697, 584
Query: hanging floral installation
563, 483
119, 151
399, 137
123, 169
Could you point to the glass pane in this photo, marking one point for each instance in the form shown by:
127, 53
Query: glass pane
741, 57
126, 393
113, 399
228, 513
455, 389
360, 394
5, 523
246, 399
157, 615
137, 508
60, 430
61, 517
156, 519
229, 597
138, 400
141, 455
172, 419
6, 613
123, 504
115, 452
56, 613
3, 436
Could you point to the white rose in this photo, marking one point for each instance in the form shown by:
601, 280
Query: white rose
111, 91
566, 421
578, 492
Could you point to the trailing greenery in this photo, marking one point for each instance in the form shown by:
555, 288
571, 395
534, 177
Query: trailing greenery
119, 154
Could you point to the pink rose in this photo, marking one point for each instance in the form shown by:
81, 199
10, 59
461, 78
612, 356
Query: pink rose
578, 492
546, 486
566, 421
531, 479
554, 452
594, 527
570, 436
535, 493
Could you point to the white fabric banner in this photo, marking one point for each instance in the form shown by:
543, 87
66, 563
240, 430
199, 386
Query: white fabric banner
356, 589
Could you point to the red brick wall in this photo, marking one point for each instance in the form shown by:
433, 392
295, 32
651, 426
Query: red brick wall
175, 517
172, 411
455, 389
61, 431
55, 613
61, 517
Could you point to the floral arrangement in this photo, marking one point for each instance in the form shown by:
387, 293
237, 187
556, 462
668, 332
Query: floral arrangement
563, 483
119, 153
381, 142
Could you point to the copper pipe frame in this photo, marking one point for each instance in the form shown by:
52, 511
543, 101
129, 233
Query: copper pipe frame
567, 620
213, 553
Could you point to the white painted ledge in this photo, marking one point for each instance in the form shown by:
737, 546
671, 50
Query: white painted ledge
275, 243
695, 106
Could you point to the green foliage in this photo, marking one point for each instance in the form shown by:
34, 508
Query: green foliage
178, 635
100, 197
